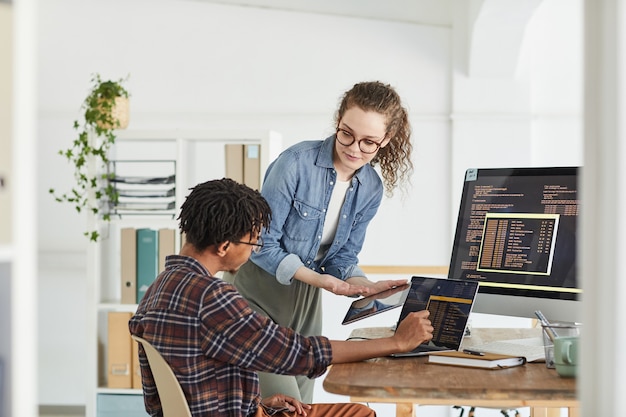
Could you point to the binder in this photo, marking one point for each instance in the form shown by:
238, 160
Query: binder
234, 162
252, 166
128, 262
167, 245
119, 350
147, 259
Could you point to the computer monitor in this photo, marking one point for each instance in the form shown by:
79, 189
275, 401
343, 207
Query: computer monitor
516, 234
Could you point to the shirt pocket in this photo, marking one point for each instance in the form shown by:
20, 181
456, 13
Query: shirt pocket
303, 221
357, 219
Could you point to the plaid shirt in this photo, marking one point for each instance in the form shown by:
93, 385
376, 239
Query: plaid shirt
215, 342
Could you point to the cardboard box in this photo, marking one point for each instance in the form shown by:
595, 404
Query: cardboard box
119, 350
136, 369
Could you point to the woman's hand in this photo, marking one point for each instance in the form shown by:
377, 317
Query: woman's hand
353, 286
330, 283
376, 286
339, 287
285, 403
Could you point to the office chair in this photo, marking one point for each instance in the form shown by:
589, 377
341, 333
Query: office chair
172, 397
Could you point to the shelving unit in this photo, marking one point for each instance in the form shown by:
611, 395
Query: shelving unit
197, 156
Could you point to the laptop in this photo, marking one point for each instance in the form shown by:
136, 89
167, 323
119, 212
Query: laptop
449, 301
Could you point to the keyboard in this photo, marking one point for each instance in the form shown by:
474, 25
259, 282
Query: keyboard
531, 348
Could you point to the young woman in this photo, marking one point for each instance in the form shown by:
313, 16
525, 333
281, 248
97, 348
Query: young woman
323, 195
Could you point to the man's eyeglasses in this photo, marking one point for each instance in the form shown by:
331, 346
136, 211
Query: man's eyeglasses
365, 145
256, 247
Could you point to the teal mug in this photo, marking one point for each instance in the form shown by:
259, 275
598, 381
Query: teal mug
566, 355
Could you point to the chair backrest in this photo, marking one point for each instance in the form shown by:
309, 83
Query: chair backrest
172, 397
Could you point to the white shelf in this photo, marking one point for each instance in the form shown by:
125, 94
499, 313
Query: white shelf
119, 391
131, 308
195, 162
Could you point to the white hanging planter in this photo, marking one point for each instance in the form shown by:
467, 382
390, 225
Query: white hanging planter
120, 114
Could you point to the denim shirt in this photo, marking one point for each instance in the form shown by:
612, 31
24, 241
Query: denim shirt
298, 186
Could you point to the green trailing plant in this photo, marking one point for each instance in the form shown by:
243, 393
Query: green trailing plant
89, 152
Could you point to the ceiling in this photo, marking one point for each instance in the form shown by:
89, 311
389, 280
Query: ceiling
425, 12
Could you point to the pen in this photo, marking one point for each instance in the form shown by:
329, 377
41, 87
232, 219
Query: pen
546, 324
473, 352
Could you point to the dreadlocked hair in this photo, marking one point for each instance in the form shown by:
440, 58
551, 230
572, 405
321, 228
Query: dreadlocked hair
223, 210
395, 158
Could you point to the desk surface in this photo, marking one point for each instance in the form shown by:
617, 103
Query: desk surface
412, 380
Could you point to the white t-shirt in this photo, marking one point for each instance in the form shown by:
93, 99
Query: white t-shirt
332, 217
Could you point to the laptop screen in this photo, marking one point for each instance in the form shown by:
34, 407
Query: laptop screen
450, 304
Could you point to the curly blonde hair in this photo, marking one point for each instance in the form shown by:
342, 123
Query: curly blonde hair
395, 158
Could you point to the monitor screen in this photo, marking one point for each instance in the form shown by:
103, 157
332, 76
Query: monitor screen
516, 236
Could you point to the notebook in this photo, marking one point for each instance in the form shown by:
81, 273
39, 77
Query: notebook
450, 303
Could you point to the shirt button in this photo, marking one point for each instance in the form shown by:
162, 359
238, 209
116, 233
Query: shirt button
331, 183
308, 262
344, 216
319, 237
305, 214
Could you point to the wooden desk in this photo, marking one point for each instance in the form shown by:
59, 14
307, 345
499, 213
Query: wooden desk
409, 381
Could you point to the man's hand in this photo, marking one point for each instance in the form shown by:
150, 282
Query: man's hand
414, 330
285, 403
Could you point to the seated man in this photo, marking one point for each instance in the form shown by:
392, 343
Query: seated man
214, 341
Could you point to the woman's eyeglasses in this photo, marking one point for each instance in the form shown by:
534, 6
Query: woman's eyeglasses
365, 145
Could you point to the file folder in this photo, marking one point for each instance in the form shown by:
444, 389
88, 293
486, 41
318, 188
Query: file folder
167, 246
234, 162
252, 166
147, 259
128, 264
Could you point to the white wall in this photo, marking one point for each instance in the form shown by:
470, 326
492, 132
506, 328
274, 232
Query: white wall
205, 65
195, 65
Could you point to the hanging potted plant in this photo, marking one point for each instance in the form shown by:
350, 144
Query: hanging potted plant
105, 109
